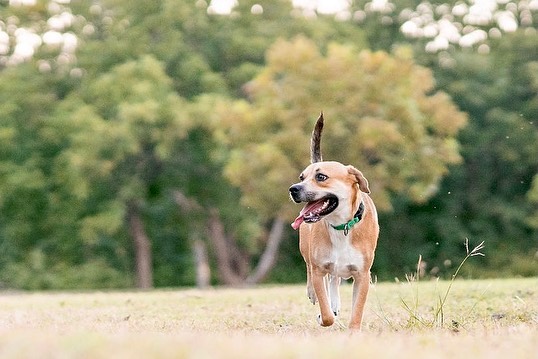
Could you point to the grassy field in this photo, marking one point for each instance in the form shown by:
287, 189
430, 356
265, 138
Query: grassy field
488, 319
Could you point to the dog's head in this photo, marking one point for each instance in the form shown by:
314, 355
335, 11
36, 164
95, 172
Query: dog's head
329, 189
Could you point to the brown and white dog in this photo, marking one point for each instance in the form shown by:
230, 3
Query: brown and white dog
338, 231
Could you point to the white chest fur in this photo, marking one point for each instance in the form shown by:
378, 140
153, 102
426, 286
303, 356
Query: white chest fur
344, 261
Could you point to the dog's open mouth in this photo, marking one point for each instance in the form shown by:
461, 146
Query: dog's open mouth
315, 210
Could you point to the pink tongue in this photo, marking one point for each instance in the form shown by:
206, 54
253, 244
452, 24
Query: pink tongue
295, 225
308, 208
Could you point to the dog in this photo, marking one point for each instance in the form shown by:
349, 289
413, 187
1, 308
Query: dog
338, 232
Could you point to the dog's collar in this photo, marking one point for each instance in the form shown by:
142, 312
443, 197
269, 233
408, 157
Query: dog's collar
353, 221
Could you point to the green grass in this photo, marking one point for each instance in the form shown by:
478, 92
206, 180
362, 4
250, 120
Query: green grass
487, 318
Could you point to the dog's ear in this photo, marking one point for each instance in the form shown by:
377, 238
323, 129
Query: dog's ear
361, 180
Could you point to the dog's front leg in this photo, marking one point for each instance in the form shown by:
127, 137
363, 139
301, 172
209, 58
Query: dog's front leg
318, 282
361, 285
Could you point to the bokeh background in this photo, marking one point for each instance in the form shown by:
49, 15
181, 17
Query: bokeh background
151, 143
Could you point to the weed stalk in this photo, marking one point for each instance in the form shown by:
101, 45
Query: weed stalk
439, 311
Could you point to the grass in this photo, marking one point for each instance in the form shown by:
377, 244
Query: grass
438, 317
494, 318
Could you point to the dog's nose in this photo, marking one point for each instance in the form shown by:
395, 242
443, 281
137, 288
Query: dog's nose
295, 191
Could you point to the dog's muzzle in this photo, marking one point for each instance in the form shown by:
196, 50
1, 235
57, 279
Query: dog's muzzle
315, 208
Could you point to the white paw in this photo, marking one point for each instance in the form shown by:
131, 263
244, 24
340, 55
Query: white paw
328, 324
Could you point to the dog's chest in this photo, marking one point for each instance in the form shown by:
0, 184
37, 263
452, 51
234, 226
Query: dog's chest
344, 259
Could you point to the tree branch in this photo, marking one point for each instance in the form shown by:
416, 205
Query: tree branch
268, 258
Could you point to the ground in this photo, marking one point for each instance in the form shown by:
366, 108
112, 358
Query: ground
480, 318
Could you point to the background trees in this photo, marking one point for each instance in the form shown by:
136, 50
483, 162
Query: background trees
499, 148
381, 116
135, 134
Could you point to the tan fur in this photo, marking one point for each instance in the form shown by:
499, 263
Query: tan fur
330, 254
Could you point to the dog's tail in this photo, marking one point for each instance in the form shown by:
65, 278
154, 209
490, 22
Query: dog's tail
315, 141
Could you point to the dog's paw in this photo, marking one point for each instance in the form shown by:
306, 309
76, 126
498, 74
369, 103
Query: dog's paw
325, 323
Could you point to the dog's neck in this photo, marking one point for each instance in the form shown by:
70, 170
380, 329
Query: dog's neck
345, 221
346, 227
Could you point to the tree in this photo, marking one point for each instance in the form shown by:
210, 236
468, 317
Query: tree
243, 248
499, 148
208, 54
381, 117
487, 196
380, 114
156, 104
25, 102
123, 133
39, 212
90, 163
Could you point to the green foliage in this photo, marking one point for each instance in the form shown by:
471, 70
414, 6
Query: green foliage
37, 271
489, 196
381, 116
162, 96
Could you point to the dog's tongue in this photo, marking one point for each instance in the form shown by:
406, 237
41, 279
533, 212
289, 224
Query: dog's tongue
308, 208
295, 225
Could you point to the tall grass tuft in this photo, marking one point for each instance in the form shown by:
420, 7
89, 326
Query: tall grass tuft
437, 320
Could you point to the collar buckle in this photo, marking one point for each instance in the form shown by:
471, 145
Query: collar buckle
346, 229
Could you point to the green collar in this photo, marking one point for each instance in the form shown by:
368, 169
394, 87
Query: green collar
353, 221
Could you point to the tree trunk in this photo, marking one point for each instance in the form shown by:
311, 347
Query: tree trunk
268, 258
199, 248
203, 272
227, 264
233, 265
142, 245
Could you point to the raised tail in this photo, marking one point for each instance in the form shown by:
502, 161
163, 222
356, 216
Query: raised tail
315, 141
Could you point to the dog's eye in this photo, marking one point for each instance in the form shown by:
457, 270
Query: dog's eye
301, 178
320, 177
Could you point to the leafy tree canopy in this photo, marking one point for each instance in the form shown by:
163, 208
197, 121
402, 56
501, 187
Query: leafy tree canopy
381, 116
